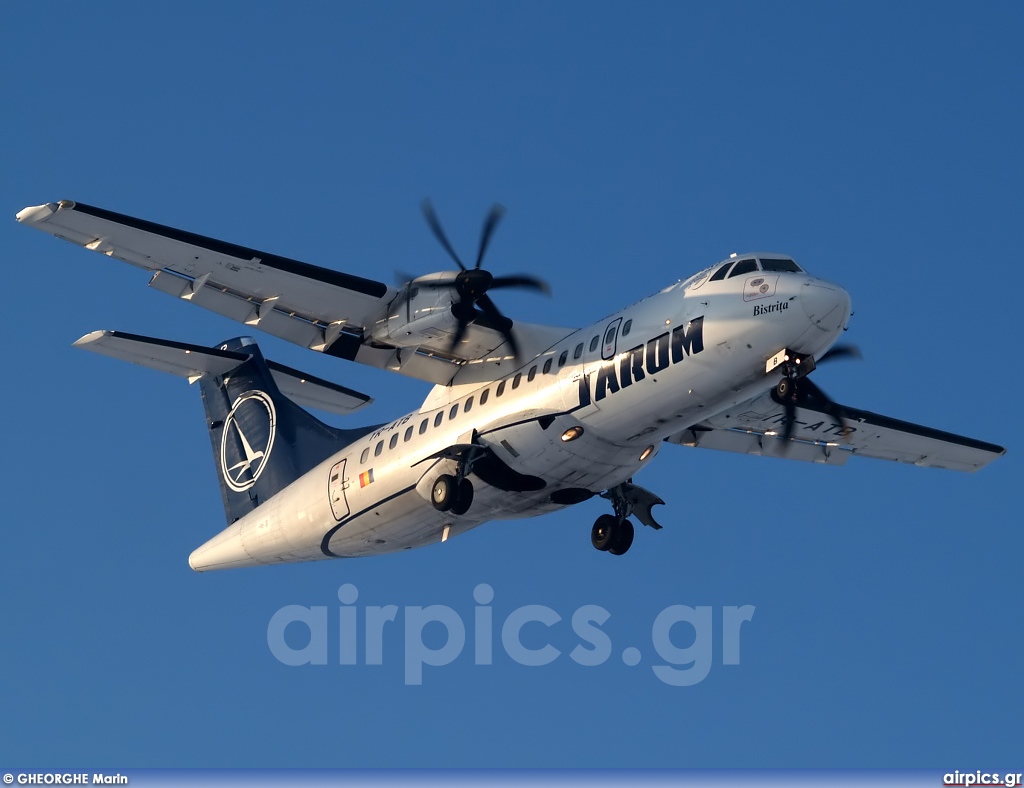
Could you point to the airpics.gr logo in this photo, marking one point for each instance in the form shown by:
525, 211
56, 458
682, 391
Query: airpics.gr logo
247, 439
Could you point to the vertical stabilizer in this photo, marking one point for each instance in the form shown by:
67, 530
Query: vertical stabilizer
261, 440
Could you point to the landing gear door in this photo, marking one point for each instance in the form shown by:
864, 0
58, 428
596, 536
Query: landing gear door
336, 491
611, 339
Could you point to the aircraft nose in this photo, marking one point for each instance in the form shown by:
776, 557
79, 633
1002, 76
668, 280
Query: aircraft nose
825, 304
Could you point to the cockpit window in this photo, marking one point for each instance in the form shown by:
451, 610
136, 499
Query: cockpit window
720, 273
780, 265
743, 267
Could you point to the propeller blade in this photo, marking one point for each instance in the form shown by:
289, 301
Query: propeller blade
521, 280
400, 299
435, 224
497, 211
839, 352
460, 332
502, 323
789, 404
834, 409
404, 282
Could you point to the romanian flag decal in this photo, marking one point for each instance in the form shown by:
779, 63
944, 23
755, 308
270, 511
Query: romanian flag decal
365, 478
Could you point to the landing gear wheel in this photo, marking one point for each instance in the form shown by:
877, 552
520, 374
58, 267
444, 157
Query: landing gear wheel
444, 492
464, 497
784, 389
603, 533
622, 538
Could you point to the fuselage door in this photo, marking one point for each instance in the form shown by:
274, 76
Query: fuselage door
611, 339
336, 491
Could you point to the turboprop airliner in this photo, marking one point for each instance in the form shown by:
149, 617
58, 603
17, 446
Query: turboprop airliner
523, 419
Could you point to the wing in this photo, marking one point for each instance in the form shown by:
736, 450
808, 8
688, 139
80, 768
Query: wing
752, 427
318, 308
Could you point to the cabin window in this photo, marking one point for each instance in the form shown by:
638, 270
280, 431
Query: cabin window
563, 358
720, 273
578, 351
438, 419
469, 405
593, 343
627, 327
484, 396
408, 435
532, 375
423, 426
453, 412
501, 389
743, 267
365, 455
379, 448
394, 441
516, 379
547, 365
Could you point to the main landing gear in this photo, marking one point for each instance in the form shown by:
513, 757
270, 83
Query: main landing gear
452, 494
614, 533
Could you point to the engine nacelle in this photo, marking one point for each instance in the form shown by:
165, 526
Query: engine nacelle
419, 315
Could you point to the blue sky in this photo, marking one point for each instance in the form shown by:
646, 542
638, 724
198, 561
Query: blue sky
878, 144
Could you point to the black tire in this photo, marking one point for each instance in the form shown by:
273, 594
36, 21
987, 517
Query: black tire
622, 539
464, 498
784, 389
442, 494
602, 535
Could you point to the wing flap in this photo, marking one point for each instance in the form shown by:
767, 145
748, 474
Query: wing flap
742, 442
753, 427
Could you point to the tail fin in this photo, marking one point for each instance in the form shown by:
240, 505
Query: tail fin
261, 440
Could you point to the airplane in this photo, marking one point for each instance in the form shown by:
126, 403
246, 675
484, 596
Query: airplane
522, 419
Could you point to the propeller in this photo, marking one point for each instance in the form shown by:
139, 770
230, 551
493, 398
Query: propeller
839, 352
472, 284
792, 391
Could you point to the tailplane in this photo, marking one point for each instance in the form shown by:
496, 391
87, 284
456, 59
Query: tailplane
262, 441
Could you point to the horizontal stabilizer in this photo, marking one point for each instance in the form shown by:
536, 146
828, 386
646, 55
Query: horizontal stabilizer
178, 358
195, 361
313, 392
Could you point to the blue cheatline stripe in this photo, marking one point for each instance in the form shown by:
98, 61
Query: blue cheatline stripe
325, 543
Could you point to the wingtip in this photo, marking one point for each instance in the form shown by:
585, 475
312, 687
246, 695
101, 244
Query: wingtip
88, 339
34, 214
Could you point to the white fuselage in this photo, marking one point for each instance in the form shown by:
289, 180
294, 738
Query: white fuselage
693, 350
